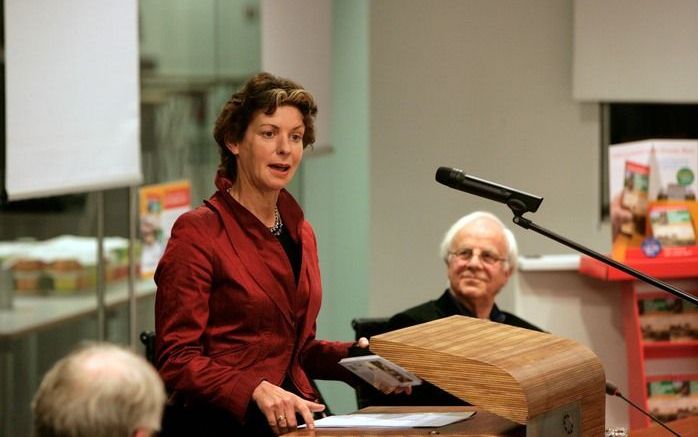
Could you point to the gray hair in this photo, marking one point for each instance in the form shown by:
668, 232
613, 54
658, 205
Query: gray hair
98, 390
512, 248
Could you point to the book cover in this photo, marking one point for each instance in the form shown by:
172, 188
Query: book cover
667, 319
683, 327
655, 327
635, 196
671, 400
636, 186
647, 171
672, 225
160, 205
379, 372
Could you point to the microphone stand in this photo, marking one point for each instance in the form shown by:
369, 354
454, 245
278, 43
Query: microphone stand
521, 203
612, 390
518, 208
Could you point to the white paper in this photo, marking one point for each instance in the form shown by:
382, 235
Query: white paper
392, 420
380, 372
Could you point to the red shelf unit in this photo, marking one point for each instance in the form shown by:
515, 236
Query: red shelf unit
638, 350
661, 268
670, 349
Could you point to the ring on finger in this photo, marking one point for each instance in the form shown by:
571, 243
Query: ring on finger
281, 418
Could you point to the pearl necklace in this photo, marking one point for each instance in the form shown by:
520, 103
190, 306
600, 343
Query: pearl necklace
278, 225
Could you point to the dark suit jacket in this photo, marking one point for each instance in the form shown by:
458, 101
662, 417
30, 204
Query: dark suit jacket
444, 306
228, 311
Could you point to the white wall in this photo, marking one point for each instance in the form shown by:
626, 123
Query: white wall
586, 310
486, 86
636, 51
336, 189
303, 54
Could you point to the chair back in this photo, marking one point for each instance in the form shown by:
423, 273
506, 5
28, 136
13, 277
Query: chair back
369, 326
366, 395
148, 340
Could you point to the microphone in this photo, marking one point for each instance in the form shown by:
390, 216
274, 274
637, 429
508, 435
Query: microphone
612, 390
519, 201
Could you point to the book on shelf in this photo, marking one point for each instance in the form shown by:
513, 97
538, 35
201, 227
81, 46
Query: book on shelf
672, 225
673, 399
635, 196
379, 372
636, 186
643, 172
667, 319
160, 205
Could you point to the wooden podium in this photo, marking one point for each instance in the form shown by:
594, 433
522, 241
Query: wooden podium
552, 385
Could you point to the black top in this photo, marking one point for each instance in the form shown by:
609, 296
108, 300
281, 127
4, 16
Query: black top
446, 306
293, 251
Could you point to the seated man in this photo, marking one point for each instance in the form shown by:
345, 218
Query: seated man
99, 390
480, 255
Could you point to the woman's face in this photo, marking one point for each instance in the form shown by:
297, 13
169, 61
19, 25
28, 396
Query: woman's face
271, 149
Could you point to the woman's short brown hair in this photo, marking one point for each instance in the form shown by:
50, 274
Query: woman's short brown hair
263, 92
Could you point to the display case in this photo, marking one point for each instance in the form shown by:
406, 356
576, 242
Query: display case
661, 333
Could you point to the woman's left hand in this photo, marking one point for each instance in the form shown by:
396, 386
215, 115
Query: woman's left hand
280, 407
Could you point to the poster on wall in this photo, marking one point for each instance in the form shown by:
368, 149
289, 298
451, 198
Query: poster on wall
159, 207
52, 74
652, 187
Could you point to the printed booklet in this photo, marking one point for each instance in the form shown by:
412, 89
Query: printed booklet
672, 225
380, 372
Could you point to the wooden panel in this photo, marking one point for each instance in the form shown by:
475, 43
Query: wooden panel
516, 373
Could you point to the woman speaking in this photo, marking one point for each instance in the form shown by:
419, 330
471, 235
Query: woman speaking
238, 287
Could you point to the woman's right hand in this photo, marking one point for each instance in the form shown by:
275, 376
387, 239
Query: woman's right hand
363, 343
280, 407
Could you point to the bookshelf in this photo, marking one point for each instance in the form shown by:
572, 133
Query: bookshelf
660, 359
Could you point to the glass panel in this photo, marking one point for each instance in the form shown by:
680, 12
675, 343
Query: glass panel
194, 53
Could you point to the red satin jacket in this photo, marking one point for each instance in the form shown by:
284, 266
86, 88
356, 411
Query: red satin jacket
228, 313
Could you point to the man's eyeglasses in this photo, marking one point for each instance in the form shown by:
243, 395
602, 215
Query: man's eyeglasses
485, 256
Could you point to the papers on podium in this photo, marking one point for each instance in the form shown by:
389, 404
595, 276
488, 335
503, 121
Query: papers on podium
380, 372
392, 420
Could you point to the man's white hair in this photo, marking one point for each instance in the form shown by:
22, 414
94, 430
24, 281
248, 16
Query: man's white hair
99, 390
512, 248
